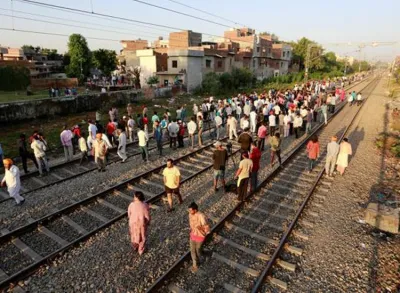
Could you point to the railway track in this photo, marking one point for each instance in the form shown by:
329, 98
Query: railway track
254, 247
68, 170
26, 248
63, 229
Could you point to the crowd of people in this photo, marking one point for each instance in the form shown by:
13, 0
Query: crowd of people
253, 120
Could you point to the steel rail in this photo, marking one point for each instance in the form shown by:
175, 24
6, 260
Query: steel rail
278, 250
91, 169
186, 256
75, 206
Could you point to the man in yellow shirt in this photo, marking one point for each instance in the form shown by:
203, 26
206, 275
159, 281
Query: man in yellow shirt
243, 175
172, 178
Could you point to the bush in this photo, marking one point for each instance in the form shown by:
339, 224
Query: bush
14, 78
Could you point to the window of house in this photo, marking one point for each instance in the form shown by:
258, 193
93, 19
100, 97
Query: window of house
174, 63
269, 51
254, 62
208, 63
219, 64
281, 64
283, 54
258, 49
288, 54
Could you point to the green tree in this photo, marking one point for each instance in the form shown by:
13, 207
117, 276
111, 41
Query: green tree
80, 56
105, 60
52, 54
14, 78
152, 80
226, 81
300, 52
210, 83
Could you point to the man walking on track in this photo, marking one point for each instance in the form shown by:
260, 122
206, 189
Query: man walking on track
245, 140
192, 126
66, 141
275, 142
25, 154
220, 156
172, 178
143, 139
122, 145
331, 156
139, 220
199, 229
12, 181
243, 175
100, 152
255, 157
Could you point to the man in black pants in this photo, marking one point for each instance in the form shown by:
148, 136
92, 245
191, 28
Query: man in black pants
243, 175
25, 154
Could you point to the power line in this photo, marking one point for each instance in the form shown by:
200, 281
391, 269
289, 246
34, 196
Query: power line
64, 24
181, 13
209, 13
83, 22
52, 34
94, 13
85, 12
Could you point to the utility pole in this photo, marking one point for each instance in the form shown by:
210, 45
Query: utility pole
308, 60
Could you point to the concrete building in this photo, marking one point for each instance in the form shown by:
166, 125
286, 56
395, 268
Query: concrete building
184, 39
161, 43
282, 56
184, 67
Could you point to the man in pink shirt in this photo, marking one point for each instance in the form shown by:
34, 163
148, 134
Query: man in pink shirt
262, 133
66, 140
198, 231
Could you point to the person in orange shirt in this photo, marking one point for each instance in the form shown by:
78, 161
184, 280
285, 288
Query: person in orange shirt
313, 151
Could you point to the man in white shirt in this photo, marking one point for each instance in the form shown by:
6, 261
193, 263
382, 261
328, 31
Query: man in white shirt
253, 121
232, 126
122, 145
218, 125
238, 111
39, 149
244, 122
173, 129
297, 123
272, 124
12, 181
143, 138
83, 148
92, 129
192, 126
131, 126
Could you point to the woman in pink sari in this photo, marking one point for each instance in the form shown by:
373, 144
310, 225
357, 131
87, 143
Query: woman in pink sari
343, 157
139, 220
342, 95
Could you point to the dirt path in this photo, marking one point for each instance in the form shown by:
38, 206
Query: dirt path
343, 255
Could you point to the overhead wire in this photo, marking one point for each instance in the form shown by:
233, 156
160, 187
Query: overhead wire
52, 34
181, 13
37, 3
208, 13
143, 33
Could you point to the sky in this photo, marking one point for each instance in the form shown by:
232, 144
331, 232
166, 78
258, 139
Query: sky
339, 25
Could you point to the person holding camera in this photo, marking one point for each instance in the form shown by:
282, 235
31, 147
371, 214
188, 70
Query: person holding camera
220, 156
